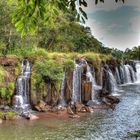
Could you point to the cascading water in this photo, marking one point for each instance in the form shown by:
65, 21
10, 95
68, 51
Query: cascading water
109, 82
122, 73
129, 74
95, 88
112, 82
62, 101
21, 99
117, 75
76, 94
138, 72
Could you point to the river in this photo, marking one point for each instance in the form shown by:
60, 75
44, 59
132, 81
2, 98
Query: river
99, 125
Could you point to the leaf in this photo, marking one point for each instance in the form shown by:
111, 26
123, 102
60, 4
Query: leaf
83, 13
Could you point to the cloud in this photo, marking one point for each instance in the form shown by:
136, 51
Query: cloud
109, 5
117, 27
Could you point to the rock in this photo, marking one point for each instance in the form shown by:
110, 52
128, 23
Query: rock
31, 117
8, 61
41, 106
17, 117
7, 108
112, 99
0, 121
38, 108
2, 107
86, 91
74, 116
79, 106
69, 110
83, 110
88, 109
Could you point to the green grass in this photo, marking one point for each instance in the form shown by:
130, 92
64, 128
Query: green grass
9, 114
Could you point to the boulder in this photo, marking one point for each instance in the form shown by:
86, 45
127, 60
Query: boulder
17, 117
69, 110
0, 121
79, 106
31, 117
88, 109
41, 106
8, 61
2, 107
7, 108
112, 99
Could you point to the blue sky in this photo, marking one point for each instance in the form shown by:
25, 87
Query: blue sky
115, 25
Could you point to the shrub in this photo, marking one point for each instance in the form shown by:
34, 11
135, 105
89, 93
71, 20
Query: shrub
68, 65
48, 71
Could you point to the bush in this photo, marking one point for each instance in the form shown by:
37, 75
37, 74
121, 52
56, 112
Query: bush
2, 74
68, 65
47, 71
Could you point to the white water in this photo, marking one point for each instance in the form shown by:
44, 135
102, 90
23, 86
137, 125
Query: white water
21, 99
76, 94
117, 75
112, 82
95, 87
127, 75
138, 72
62, 100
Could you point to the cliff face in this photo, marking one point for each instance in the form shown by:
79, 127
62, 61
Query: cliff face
47, 76
9, 67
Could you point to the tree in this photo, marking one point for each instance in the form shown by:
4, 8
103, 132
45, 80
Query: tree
29, 13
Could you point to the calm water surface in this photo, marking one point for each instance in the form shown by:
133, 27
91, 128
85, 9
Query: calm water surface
100, 125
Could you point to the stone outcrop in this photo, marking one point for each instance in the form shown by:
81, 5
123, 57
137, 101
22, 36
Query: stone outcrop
112, 99
8, 61
70, 111
0, 121
41, 106
68, 89
31, 117
86, 91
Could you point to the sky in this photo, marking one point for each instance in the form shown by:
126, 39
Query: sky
116, 25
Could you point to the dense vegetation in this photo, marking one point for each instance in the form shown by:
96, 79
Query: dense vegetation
26, 33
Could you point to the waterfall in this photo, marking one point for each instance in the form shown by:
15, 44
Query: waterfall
95, 87
117, 75
112, 82
132, 73
138, 72
62, 100
76, 94
109, 81
129, 74
21, 99
122, 73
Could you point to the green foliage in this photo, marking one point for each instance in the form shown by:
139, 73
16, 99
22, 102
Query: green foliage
3, 92
2, 74
9, 114
92, 57
47, 71
7, 92
134, 53
29, 13
134, 134
68, 65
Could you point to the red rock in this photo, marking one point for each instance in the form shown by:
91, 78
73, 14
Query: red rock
0, 121
32, 117
69, 111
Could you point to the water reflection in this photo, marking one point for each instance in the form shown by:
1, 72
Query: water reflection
100, 125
